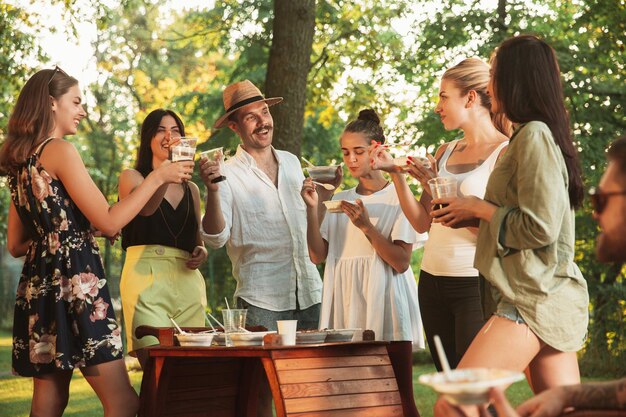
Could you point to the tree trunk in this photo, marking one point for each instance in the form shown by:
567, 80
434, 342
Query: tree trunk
287, 69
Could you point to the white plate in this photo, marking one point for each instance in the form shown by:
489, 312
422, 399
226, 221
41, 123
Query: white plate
310, 337
195, 339
248, 339
340, 335
470, 386
334, 206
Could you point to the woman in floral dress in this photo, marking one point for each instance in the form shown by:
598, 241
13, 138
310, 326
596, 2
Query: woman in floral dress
63, 317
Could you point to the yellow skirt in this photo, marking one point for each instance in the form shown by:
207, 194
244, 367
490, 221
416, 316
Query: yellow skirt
156, 285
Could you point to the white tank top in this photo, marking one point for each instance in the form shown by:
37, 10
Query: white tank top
448, 251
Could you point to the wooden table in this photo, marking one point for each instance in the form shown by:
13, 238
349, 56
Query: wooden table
322, 380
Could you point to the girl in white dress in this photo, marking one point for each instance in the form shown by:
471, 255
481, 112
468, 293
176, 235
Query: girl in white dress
368, 281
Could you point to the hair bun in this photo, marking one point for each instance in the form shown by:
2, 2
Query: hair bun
370, 115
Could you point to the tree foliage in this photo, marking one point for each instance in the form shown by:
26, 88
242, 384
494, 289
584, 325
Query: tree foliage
385, 54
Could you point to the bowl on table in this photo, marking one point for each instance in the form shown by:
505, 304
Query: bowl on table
471, 385
248, 338
322, 173
403, 162
310, 336
334, 206
340, 335
195, 339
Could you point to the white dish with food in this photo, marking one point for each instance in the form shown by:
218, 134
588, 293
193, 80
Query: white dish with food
340, 335
334, 206
403, 162
310, 336
471, 385
195, 339
248, 338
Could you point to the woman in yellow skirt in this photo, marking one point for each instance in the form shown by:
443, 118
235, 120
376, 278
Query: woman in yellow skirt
160, 278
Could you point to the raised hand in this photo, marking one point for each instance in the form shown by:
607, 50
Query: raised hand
210, 170
381, 159
175, 172
309, 193
421, 173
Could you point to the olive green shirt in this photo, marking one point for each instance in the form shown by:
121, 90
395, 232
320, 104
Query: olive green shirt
526, 251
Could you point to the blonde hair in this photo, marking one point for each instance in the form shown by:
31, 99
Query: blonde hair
473, 74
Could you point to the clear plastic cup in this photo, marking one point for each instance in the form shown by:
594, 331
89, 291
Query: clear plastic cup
215, 154
441, 187
234, 322
184, 150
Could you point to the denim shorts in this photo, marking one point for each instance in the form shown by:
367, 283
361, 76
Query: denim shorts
509, 311
257, 316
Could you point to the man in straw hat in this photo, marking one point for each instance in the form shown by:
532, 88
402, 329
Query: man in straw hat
260, 217
609, 210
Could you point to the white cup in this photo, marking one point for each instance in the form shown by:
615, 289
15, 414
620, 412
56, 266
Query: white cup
287, 331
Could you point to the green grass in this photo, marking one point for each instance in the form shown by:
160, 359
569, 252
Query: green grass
16, 392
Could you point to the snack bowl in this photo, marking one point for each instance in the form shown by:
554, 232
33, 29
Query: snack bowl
403, 162
334, 206
471, 385
195, 339
310, 336
340, 335
248, 338
322, 173
219, 339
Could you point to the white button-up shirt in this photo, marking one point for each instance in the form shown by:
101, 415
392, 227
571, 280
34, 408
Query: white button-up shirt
265, 234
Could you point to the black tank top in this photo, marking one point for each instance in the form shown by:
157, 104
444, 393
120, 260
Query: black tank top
176, 228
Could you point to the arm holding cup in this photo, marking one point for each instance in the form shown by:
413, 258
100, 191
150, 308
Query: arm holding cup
213, 220
200, 253
457, 210
417, 212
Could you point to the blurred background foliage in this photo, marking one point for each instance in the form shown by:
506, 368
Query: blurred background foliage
384, 54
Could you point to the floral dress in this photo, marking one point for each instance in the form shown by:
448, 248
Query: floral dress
63, 316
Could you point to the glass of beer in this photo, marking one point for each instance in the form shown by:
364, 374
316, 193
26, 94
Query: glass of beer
441, 187
184, 149
216, 155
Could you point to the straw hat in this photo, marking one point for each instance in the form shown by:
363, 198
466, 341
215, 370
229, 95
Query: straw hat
241, 94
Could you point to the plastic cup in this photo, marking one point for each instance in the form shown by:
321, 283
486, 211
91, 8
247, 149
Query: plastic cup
287, 331
234, 322
215, 155
441, 187
184, 150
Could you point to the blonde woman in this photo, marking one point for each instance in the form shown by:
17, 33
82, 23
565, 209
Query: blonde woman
449, 286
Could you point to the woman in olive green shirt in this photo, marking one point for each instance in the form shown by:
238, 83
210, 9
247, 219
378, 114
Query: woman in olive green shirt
525, 246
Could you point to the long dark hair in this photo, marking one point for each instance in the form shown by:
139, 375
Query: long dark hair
32, 119
149, 129
527, 84
367, 123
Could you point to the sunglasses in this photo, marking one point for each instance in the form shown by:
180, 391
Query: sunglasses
599, 199
56, 69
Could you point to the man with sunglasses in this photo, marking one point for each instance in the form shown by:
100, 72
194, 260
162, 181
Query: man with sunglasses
609, 210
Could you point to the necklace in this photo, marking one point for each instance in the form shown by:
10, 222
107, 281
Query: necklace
169, 229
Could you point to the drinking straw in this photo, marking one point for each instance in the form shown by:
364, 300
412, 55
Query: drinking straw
311, 164
177, 327
442, 356
216, 320
227, 306
209, 321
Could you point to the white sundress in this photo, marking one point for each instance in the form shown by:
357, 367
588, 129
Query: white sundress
360, 289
